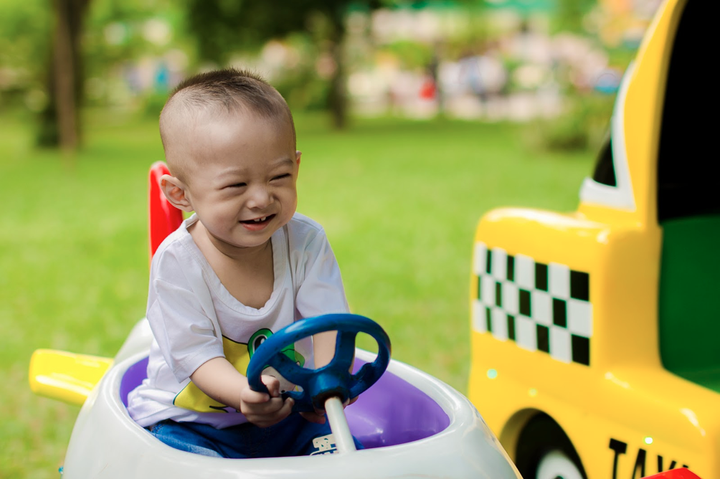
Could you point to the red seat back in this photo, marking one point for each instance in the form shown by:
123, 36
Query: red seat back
163, 217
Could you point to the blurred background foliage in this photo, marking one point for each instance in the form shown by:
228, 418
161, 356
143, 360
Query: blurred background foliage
554, 64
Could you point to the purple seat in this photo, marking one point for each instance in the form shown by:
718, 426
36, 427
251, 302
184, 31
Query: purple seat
391, 412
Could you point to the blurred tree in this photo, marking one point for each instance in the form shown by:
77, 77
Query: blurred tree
60, 120
89, 41
570, 14
24, 48
221, 26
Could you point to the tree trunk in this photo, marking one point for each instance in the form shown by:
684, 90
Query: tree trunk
47, 136
60, 123
64, 77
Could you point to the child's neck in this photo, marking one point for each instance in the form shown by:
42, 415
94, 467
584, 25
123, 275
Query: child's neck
247, 273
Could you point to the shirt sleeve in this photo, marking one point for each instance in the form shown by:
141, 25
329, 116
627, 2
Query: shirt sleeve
320, 289
181, 323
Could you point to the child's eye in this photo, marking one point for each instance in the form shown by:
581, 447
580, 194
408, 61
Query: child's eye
280, 177
237, 185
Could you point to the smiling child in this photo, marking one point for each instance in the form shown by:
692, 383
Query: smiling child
243, 266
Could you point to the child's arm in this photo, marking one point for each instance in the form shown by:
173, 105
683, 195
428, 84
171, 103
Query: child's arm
221, 381
324, 348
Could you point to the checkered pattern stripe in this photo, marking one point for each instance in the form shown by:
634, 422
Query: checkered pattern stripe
541, 307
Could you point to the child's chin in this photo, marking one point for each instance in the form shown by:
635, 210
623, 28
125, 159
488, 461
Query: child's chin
256, 242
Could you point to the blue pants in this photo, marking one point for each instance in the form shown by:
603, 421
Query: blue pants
294, 436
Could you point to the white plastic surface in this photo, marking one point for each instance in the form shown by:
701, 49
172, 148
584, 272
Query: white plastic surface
621, 196
107, 444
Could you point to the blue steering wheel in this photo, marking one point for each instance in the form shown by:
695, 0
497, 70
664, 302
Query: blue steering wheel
334, 379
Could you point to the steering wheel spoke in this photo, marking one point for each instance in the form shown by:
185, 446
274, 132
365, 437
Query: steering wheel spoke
287, 367
344, 355
331, 380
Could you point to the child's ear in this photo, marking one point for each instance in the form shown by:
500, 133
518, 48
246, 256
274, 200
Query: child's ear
298, 154
176, 192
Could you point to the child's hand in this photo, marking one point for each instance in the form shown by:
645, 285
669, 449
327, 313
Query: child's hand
262, 409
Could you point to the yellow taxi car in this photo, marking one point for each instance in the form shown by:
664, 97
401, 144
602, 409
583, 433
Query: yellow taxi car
596, 334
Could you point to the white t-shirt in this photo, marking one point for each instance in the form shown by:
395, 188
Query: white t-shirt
194, 318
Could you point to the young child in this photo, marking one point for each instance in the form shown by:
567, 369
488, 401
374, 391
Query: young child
242, 267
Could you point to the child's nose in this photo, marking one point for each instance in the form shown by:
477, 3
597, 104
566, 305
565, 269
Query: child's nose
259, 197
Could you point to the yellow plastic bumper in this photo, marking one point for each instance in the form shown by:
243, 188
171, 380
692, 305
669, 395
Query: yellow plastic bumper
66, 376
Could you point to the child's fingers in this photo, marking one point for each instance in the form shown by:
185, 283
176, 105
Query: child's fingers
254, 397
286, 408
267, 406
270, 413
262, 409
257, 397
272, 383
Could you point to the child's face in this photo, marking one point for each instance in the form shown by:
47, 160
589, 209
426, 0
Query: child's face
243, 184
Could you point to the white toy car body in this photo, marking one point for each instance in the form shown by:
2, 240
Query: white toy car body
411, 424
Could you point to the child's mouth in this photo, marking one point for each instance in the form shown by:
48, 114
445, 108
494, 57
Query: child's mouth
257, 223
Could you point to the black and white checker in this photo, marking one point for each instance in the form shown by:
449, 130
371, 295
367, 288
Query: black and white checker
540, 306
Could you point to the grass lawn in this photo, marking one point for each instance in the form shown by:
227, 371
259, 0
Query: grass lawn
399, 199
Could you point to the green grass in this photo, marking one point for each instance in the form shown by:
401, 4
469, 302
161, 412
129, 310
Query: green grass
399, 199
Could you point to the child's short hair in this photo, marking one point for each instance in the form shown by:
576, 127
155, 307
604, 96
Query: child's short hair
228, 90
232, 88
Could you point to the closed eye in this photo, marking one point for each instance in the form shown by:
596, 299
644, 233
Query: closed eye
236, 185
280, 177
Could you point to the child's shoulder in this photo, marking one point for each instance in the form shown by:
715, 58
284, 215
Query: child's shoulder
305, 232
177, 244
302, 224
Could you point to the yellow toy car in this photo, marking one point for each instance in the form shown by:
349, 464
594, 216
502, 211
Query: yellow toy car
596, 334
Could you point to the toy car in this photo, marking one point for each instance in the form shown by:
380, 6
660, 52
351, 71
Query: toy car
411, 424
595, 333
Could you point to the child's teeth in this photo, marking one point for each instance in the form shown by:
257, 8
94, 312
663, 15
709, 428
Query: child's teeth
258, 220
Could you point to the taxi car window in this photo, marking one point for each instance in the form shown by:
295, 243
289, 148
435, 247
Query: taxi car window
611, 186
604, 166
687, 155
689, 211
